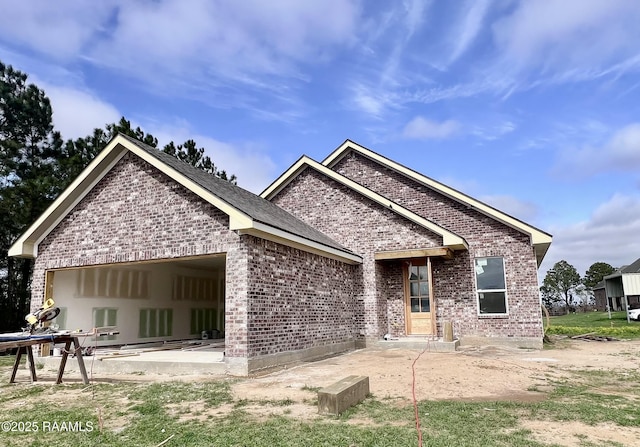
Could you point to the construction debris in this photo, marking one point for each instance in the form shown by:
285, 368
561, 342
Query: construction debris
104, 353
591, 336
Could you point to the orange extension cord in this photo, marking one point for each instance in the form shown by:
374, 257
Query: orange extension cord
415, 401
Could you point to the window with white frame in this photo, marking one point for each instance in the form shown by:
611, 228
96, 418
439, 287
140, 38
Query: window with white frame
491, 286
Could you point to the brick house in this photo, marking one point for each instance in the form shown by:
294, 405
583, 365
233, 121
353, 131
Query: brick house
331, 256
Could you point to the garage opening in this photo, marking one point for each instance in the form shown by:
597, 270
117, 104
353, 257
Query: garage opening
150, 302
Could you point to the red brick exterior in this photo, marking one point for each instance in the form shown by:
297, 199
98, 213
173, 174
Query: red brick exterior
359, 225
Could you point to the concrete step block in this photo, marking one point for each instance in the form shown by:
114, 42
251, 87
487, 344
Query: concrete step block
336, 398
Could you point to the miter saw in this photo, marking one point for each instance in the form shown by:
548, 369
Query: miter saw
36, 320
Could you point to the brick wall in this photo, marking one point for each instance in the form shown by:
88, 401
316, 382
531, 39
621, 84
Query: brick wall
359, 224
297, 300
454, 281
391, 292
278, 299
366, 227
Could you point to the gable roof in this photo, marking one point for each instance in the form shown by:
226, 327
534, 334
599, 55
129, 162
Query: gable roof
449, 239
248, 213
539, 239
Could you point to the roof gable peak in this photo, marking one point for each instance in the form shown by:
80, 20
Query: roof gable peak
449, 239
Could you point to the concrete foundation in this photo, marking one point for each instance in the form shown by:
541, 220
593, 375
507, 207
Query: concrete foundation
282, 359
159, 362
418, 343
176, 362
511, 342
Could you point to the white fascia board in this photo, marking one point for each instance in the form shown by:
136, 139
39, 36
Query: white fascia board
27, 245
537, 236
285, 178
449, 239
270, 233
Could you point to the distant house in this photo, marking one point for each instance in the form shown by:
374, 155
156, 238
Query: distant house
600, 296
332, 256
623, 286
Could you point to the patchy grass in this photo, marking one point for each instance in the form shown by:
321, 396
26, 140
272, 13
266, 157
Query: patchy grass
133, 414
7, 360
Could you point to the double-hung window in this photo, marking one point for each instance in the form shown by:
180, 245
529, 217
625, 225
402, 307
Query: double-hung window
491, 286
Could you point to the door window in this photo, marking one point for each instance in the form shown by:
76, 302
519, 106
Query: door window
419, 288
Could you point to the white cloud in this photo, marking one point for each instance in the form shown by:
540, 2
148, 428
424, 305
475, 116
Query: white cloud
421, 128
610, 235
494, 132
367, 102
620, 153
467, 29
573, 38
229, 40
76, 113
225, 54
415, 15
58, 30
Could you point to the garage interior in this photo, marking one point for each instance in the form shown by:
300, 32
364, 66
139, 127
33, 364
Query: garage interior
177, 304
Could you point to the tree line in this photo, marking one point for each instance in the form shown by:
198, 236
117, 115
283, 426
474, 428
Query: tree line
37, 164
563, 283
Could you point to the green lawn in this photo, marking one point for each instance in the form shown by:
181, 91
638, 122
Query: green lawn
598, 322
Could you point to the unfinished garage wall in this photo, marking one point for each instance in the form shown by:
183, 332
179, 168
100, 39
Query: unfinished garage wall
147, 302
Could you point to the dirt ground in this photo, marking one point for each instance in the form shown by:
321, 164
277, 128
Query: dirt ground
482, 374
470, 374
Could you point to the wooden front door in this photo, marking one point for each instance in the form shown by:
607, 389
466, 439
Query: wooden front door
418, 297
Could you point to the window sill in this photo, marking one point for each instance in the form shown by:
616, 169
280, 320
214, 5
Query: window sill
493, 316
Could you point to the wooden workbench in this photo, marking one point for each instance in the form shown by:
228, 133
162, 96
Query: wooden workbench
25, 344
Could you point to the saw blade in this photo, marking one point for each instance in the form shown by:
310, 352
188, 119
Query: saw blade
49, 314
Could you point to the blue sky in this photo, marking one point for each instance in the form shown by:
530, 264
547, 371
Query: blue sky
532, 107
